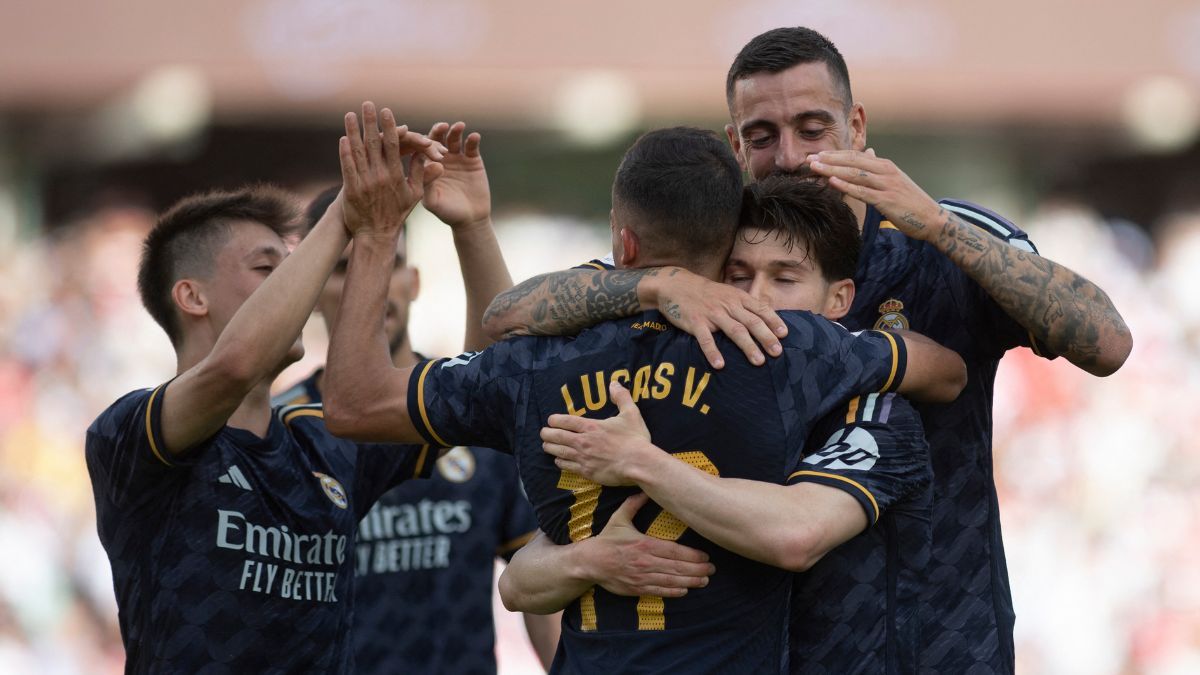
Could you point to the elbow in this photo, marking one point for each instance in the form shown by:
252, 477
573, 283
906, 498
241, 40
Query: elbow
799, 549
955, 382
509, 596
1113, 356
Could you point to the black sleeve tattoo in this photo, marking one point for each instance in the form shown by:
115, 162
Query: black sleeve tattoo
564, 303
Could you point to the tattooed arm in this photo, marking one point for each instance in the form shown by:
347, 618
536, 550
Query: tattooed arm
1065, 311
564, 303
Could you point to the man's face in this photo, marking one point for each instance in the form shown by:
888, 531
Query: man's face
402, 290
251, 253
763, 266
781, 118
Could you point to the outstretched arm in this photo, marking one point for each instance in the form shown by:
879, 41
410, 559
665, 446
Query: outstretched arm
365, 395
564, 303
544, 577
201, 400
1070, 314
462, 199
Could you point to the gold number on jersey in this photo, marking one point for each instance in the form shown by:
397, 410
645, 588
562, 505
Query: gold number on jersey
667, 526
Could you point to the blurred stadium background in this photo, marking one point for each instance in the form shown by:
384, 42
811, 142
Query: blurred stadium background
1076, 119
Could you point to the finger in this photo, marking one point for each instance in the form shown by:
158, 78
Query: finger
567, 465
870, 151
349, 170
454, 140
709, 348
472, 147
759, 329
859, 192
560, 451
848, 158
357, 149
669, 579
438, 132
623, 401
856, 174
735, 331
560, 436
679, 559
629, 508
371, 134
416, 178
391, 143
569, 422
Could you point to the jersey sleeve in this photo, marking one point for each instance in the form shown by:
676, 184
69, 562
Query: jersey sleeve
605, 263
517, 524
992, 327
828, 364
470, 399
125, 452
873, 449
382, 466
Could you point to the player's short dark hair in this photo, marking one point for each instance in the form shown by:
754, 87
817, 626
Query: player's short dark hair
185, 241
808, 213
781, 48
318, 206
683, 188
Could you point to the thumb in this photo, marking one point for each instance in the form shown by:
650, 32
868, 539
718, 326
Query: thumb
622, 399
628, 509
870, 152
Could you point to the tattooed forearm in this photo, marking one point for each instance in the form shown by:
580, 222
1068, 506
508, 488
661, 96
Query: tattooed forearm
564, 303
1068, 313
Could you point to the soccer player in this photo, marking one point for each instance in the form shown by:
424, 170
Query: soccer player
676, 200
425, 553
230, 529
866, 467
952, 270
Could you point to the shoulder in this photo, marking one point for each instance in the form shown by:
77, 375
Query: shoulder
302, 417
805, 328
130, 406
989, 221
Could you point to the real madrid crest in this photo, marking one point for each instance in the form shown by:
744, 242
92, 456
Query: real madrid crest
457, 465
333, 489
891, 317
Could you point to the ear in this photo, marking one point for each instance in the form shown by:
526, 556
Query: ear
629, 248
858, 127
414, 283
189, 297
838, 299
735, 142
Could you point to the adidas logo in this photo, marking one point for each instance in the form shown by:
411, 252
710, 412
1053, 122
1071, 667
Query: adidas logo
234, 476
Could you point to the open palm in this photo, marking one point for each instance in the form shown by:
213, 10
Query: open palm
460, 197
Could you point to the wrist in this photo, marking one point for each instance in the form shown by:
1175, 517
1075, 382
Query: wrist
473, 227
644, 465
650, 287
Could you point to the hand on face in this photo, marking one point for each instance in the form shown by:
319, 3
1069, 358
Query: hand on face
880, 183
377, 195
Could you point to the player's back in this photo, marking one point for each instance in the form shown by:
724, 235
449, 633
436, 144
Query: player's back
742, 421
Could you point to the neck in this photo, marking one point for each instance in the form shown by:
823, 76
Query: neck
254, 414
859, 209
711, 270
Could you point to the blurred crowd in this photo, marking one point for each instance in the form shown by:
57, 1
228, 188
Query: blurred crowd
1101, 519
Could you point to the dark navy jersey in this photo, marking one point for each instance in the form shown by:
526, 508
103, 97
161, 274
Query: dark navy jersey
856, 609
906, 283
425, 561
742, 421
236, 556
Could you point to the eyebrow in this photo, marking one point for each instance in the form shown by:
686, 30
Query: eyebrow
785, 263
798, 118
269, 251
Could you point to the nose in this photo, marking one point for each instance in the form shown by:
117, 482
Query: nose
759, 289
790, 153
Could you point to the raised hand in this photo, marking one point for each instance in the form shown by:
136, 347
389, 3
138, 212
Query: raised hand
880, 183
700, 307
603, 451
460, 197
377, 194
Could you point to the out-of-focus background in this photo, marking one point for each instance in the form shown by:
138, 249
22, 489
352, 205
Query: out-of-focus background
1077, 120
